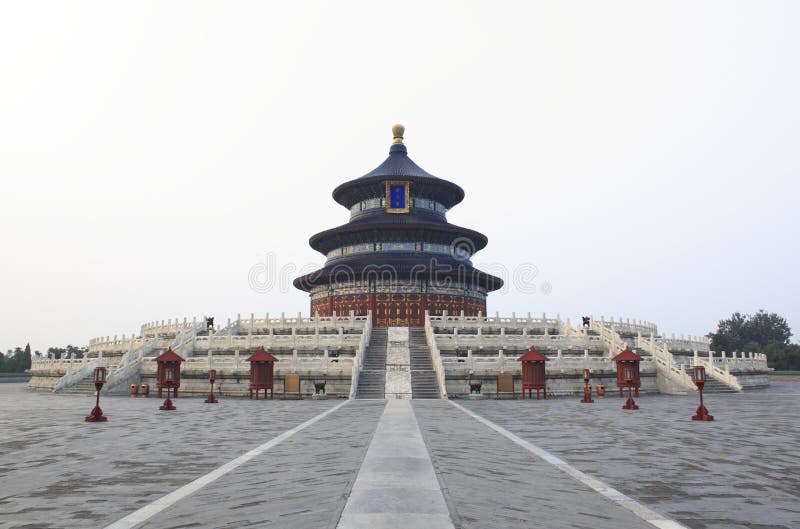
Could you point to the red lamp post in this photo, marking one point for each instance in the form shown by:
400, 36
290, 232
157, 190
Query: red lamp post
169, 376
587, 389
533, 372
261, 372
628, 358
96, 414
212, 377
699, 378
628, 377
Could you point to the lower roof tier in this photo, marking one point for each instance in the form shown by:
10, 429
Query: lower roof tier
429, 270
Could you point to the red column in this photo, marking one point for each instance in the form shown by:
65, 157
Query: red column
371, 305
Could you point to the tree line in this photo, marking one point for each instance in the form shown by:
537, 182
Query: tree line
18, 360
762, 333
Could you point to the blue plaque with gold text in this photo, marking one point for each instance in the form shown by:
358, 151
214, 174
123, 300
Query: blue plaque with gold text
397, 199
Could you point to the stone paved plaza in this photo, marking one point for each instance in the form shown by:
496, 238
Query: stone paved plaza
742, 470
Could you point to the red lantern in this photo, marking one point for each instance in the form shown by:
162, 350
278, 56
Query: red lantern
212, 377
533, 372
699, 378
262, 372
628, 375
96, 414
587, 389
169, 376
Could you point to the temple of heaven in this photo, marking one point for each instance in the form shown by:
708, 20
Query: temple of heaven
398, 256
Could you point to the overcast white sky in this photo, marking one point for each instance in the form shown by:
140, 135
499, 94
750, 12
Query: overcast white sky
643, 156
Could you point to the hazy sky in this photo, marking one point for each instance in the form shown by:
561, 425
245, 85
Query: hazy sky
156, 156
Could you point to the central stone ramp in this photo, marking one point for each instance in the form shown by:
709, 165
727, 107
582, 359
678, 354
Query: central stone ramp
424, 383
372, 379
396, 485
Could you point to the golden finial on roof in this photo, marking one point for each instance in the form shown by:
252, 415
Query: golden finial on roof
397, 131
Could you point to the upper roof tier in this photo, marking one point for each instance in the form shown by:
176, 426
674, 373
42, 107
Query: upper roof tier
398, 165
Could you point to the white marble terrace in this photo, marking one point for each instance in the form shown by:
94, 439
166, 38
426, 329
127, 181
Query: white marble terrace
461, 347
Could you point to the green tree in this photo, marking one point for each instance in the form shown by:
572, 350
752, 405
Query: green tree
761, 332
742, 330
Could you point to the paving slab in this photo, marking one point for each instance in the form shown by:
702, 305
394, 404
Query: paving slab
396, 484
740, 470
491, 482
58, 471
302, 483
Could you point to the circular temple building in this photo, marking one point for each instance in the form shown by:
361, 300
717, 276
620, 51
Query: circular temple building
398, 256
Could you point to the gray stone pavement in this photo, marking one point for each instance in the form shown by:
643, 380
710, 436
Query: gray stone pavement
396, 485
741, 470
58, 471
490, 482
302, 483
738, 471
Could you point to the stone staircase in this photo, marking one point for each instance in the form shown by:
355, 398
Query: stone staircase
712, 385
372, 379
424, 384
84, 387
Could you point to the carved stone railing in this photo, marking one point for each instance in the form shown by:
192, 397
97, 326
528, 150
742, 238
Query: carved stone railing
514, 322
503, 363
518, 341
628, 326
687, 343
130, 366
73, 376
436, 358
665, 363
610, 338
358, 360
287, 341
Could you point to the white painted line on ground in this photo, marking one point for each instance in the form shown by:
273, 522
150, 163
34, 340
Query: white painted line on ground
148, 511
645, 513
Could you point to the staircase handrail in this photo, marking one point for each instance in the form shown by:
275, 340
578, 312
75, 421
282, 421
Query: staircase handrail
666, 362
436, 358
132, 360
130, 363
722, 375
358, 359
71, 377
610, 338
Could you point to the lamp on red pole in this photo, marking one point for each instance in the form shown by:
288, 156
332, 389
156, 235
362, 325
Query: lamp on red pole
699, 378
212, 377
169, 384
628, 378
262, 372
99, 379
534, 375
168, 376
628, 375
587, 389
